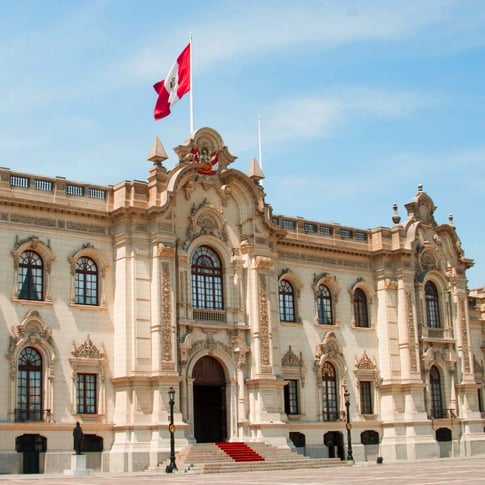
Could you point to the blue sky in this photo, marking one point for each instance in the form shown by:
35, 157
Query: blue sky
360, 101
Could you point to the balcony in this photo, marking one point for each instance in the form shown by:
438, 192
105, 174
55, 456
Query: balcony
209, 315
446, 413
429, 333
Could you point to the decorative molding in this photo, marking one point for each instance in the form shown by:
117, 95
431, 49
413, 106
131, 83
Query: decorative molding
413, 360
87, 350
464, 335
364, 363
262, 262
166, 313
264, 333
290, 359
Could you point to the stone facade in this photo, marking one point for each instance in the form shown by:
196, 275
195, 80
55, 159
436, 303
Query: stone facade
262, 324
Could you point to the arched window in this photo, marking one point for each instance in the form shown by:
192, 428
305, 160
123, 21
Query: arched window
287, 301
30, 276
86, 282
435, 391
206, 279
432, 306
29, 386
324, 304
360, 309
329, 393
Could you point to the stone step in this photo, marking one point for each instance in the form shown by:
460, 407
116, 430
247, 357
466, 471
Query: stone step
209, 458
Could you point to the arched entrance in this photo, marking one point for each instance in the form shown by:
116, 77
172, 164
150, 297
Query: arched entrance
209, 401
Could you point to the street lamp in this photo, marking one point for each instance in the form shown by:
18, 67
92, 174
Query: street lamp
171, 466
348, 426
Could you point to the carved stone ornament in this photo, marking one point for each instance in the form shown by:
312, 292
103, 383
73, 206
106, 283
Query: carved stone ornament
87, 350
293, 366
262, 262
328, 348
31, 332
205, 149
364, 363
290, 359
265, 354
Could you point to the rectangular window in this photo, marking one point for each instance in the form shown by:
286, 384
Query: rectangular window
86, 394
276, 222
96, 193
288, 224
310, 227
361, 236
291, 397
366, 406
74, 190
40, 184
17, 181
345, 233
326, 230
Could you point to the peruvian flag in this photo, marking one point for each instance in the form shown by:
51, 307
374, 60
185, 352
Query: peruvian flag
175, 85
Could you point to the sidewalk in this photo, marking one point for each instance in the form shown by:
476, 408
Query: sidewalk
447, 471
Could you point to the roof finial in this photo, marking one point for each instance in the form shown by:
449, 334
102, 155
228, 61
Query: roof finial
157, 153
396, 218
255, 173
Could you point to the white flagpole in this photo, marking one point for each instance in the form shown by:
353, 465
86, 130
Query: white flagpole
191, 89
259, 143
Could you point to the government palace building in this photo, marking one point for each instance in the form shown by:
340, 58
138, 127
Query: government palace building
269, 329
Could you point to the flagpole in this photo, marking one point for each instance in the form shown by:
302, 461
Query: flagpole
191, 89
259, 143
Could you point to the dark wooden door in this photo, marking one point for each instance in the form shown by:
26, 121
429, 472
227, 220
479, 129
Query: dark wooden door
209, 414
209, 401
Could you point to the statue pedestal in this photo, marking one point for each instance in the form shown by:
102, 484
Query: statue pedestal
78, 466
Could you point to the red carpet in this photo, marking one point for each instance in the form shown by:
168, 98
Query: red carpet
239, 451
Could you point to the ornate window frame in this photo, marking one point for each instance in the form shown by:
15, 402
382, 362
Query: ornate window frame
330, 282
87, 359
89, 251
329, 350
45, 253
297, 285
32, 332
293, 370
365, 370
362, 286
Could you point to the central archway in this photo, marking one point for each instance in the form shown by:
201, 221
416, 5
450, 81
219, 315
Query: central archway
209, 401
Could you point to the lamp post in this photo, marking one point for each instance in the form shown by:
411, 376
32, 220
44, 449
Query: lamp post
348, 426
171, 466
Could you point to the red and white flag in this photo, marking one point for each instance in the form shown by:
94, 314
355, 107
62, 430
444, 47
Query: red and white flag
175, 85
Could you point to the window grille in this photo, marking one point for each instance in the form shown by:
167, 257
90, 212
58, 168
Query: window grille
74, 190
17, 181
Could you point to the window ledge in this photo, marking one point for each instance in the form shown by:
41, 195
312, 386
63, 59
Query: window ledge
93, 308
32, 302
90, 417
363, 329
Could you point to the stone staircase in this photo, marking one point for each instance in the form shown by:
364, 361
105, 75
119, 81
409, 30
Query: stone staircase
209, 458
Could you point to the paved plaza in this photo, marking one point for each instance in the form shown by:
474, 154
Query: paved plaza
440, 471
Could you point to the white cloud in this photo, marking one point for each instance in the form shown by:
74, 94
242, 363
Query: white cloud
322, 116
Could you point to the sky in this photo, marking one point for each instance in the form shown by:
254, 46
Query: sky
360, 101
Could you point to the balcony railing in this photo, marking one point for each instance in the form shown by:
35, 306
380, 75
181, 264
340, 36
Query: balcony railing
25, 415
446, 413
209, 315
436, 333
